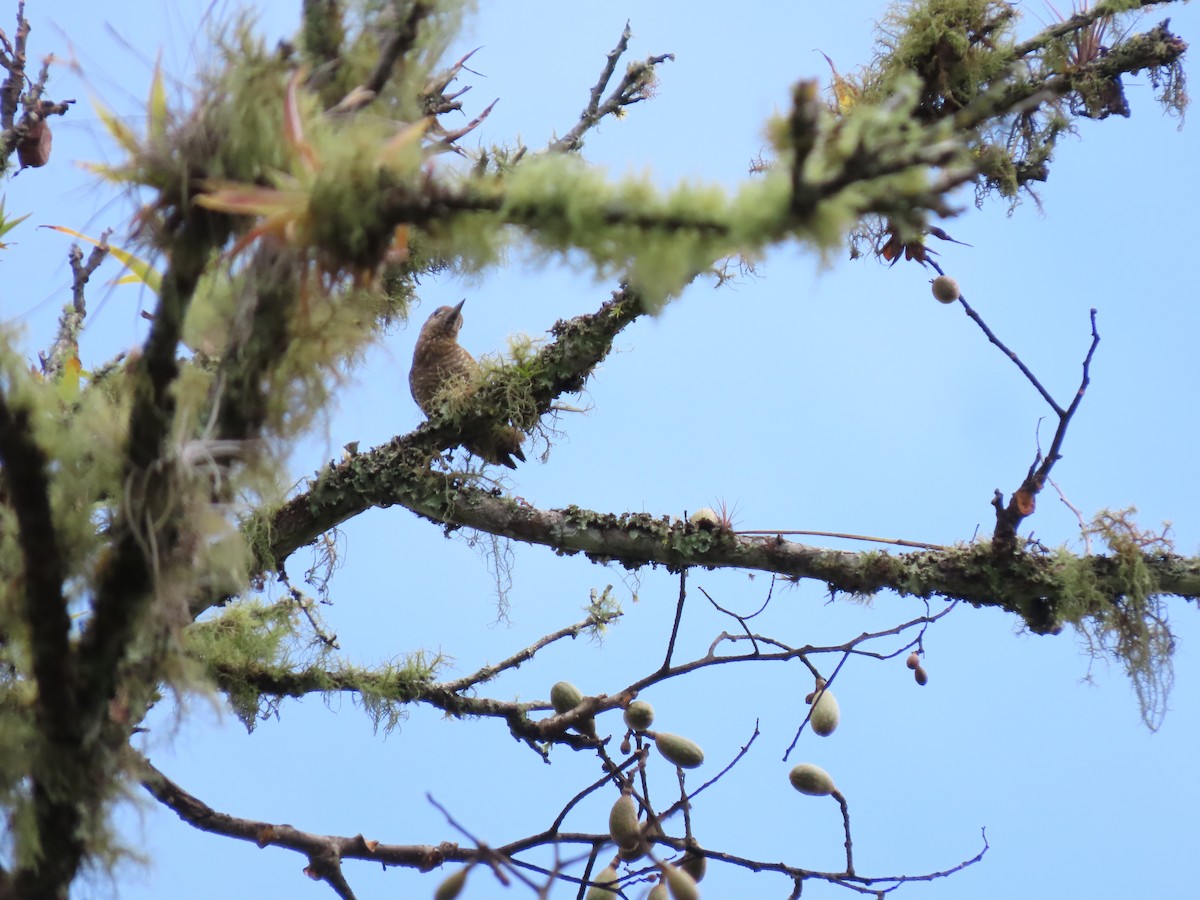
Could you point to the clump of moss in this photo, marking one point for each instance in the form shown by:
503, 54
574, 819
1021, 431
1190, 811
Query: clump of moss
1128, 623
954, 46
244, 637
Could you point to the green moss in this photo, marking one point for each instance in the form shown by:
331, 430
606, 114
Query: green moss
252, 651
1129, 624
956, 47
243, 637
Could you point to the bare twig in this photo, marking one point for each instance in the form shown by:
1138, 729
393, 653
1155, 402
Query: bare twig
991, 336
678, 618
13, 60
70, 324
451, 136
498, 862
305, 605
741, 620
634, 87
1021, 504
841, 799
324, 852
742, 751
398, 43
487, 673
1083, 529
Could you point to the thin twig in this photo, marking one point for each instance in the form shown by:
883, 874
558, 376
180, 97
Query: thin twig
487, 673
452, 136
899, 542
396, 45
841, 799
991, 336
741, 620
678, 617
1021, 504
1083, 529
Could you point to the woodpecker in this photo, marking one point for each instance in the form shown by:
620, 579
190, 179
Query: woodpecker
439, 360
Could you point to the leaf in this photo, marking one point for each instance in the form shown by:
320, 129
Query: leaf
111, 174
7, 225
293, 126
68, 380
156, 105
141, 270
250, 200
845, 92
393, 153
121, 132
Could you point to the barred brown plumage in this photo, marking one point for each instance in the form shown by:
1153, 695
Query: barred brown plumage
438, 360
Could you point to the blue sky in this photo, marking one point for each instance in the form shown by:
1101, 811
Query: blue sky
837, 397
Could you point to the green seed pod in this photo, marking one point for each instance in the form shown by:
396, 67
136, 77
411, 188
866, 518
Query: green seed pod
679, 750
945, 289
681, 885
607, 876
825, 714
452, 886
632, 854
623, 823
658, 892
695, 865
639, 715
811, 780
564, 697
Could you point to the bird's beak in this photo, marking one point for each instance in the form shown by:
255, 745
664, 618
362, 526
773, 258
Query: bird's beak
458, 306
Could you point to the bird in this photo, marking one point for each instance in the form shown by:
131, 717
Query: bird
438, 360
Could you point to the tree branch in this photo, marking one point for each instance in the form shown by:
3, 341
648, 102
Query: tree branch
1033, 587
1022, 502
398, 43
70, 323
13, 59
324, 852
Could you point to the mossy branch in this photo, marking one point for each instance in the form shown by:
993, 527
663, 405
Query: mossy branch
257, 337
1034, 586
145, 532
60, 782
1037, 587
245, 651
1156, 48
